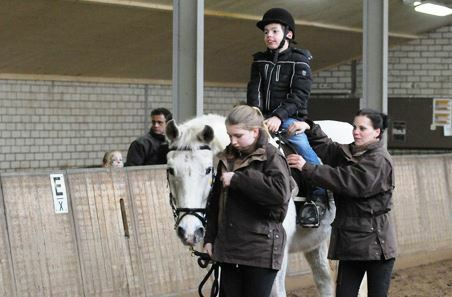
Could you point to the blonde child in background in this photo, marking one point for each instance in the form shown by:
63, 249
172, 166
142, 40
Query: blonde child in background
112, 159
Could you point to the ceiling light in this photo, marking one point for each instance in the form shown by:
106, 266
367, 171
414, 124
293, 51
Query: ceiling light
434, 9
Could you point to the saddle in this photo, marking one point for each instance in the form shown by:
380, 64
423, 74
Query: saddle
311, 202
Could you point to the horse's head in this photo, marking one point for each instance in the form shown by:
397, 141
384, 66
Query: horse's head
190, 177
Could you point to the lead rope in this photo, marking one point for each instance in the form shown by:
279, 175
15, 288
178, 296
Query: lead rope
203, 262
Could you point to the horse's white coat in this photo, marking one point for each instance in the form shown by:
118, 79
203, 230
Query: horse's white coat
191, 186
340, 132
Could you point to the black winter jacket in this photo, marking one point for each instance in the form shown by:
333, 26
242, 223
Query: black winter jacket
149, 149
281, 89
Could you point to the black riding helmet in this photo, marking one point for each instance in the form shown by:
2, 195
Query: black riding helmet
277, 15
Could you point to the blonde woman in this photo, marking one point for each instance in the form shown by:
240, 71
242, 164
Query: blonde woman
247, 207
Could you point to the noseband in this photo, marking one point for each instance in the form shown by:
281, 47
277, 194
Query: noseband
199, 213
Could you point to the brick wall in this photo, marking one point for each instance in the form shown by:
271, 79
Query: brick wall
221, 100
66, 124
419, 68
56, 123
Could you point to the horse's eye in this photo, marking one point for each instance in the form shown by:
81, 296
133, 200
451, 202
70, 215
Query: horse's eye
170, 171
208, 170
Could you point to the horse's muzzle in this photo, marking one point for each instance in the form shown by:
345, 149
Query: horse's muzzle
190, 239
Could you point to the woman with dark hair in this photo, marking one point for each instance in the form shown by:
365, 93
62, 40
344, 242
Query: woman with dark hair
361, 177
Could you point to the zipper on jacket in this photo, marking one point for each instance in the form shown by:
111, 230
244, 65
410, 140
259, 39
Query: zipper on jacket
278, 69
267, 101
266, 71
259, 94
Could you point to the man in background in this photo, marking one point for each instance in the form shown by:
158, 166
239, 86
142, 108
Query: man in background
151, 148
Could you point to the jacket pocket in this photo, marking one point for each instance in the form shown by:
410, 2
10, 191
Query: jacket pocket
359, 224
257, 228
241, 240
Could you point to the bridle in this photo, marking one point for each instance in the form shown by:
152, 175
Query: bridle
199, 213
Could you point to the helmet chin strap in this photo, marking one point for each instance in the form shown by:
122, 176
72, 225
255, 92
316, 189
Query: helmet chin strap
281, 44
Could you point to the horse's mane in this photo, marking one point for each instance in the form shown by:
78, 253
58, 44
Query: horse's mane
189, 133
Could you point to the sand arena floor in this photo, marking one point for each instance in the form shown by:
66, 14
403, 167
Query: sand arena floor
432, 280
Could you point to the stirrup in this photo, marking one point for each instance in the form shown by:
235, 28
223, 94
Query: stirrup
309, 215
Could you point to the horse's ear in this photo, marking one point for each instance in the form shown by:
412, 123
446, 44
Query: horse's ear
171, 131
206, 135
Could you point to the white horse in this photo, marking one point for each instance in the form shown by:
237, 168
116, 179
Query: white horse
191, 163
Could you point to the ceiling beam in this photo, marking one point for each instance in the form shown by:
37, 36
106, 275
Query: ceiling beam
242, 16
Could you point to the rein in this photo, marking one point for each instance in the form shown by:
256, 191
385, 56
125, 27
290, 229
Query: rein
203, 261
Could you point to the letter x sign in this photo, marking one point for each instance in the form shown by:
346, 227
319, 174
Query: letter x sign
59, 193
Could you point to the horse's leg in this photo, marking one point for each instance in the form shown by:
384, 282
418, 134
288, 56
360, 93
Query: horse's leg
289, 224
363, 288
317, 259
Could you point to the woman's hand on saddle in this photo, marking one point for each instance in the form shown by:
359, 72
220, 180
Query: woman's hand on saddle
273, 124
297, 128
295, 161
226, 178
208, 248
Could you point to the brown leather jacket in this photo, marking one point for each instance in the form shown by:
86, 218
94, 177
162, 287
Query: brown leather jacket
362, 183
244, 221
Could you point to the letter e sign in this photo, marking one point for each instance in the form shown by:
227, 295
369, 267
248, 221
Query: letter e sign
59, 193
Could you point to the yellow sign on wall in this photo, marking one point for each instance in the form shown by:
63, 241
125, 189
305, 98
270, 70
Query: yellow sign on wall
442, 113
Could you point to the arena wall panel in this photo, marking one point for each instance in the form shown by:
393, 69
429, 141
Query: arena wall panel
422, 203
6, 271
109, 262
118, 240
43, 245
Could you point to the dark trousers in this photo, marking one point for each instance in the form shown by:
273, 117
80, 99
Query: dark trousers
246, 281
350, 275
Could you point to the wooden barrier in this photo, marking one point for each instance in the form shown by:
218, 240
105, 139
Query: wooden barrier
43, 246
7, 287
108, 259
422, 199
117, 237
